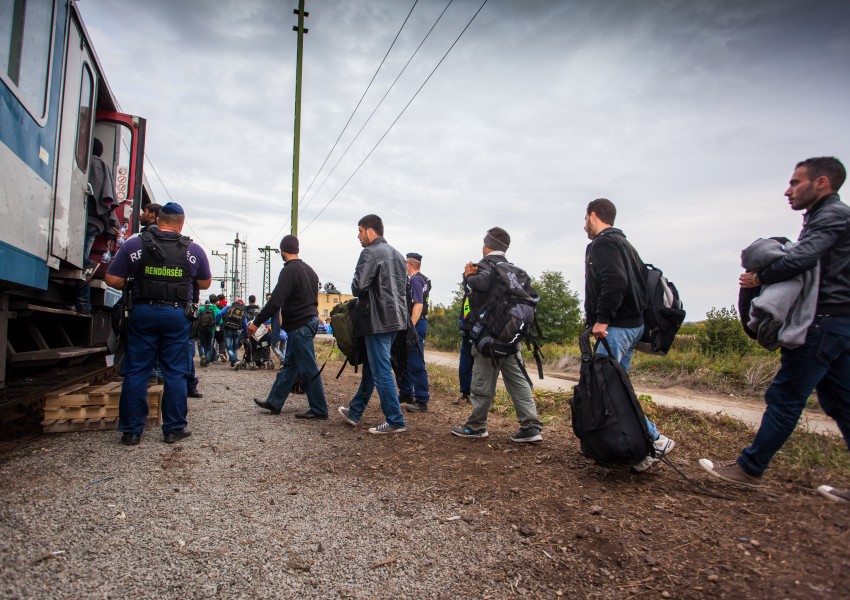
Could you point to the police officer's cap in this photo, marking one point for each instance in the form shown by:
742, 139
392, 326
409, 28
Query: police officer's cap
172, 208
414, 256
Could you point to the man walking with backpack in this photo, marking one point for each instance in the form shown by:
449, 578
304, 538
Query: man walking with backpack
822, 363
380, 283
485, 370
206, 330
413, 387
234, 322
615, 298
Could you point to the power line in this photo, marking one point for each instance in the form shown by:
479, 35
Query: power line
354, 139
397, 118
368, 87
167, 193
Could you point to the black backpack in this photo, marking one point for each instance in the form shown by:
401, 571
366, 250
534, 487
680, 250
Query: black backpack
206, 320
509, 316
664, 313
234, 316
607, 416
342, 324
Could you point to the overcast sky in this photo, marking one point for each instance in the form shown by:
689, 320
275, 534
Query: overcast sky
688, 115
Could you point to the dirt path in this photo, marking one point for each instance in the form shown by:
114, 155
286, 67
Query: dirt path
747, 411
258, 506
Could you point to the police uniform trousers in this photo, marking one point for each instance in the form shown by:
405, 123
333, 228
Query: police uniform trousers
155, 330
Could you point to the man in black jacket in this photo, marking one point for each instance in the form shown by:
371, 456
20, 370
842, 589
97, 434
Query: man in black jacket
296, 296
615, 298
822, 363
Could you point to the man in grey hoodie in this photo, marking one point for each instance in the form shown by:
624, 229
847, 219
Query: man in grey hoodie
822, 363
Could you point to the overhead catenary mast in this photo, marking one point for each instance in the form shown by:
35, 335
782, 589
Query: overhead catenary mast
296, 149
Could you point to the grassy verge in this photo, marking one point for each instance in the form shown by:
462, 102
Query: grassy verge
808, 458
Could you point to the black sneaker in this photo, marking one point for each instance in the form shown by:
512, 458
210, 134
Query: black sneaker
267, 406
176, 436
131, 439
469, 432
416, 407
405, 399
194, 393
529, 434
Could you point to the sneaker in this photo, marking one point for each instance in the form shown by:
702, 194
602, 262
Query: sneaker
345, 415
528, 434
468, 432
203, 361
464, 398
416, 407
405, 398
194, 393
834, 494
663, 447
732, 473
387, 428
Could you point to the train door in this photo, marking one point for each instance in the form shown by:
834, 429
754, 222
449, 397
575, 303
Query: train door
123, 138
73, 155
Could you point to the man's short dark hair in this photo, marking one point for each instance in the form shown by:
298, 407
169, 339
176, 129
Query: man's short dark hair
152, 207
171, 219
604, 209
252, 299
825, 166
372, 222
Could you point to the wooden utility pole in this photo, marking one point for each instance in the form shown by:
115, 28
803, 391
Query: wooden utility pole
297, 144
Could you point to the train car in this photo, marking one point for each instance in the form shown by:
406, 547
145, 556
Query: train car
54, 100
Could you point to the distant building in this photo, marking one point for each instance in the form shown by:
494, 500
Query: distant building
327, 301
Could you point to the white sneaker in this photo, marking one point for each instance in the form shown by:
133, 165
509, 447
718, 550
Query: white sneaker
345, 415
663, 447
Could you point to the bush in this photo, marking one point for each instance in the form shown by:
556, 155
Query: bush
723, 333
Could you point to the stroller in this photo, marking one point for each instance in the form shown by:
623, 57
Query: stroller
257, 354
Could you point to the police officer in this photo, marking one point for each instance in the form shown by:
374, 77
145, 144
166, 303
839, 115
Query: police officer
413, 387
163, 265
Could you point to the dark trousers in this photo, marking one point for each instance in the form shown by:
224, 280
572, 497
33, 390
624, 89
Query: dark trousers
415, 380
822, 364
300, 360
155, 331
464, 365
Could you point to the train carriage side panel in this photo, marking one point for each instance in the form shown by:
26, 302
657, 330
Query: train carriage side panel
32, 35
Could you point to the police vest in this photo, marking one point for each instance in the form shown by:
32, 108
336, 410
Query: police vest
163, 274
426, 292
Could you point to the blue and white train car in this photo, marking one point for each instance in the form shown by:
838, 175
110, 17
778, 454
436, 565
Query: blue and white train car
54, 99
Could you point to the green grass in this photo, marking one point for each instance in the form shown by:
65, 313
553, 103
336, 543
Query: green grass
808, 458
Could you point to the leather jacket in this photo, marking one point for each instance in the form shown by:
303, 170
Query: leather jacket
380, 285
826, 238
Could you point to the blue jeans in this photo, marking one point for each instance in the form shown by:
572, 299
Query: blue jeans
415, 380
822, 364
623, 341
155, 331
378, 372
231, 342
300, 360
464, 365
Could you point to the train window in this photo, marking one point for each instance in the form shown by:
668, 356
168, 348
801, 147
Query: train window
26, 29
84, 119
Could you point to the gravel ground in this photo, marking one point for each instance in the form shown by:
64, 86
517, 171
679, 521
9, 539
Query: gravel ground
252, 505
256, 505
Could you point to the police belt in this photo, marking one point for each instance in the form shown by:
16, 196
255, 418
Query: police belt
162, 303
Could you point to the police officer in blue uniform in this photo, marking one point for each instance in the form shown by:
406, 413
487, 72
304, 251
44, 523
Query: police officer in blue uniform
165, 267
413, 388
